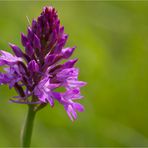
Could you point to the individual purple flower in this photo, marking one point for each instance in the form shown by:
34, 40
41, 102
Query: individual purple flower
37, 71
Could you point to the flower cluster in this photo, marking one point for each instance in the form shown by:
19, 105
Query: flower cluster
37, 71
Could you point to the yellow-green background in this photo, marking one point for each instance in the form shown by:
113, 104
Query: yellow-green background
112, 47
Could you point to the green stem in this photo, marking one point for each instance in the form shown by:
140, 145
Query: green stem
26, 132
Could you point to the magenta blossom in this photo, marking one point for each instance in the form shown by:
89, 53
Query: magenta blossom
37, 71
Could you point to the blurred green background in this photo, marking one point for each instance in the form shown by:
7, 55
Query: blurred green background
112, 47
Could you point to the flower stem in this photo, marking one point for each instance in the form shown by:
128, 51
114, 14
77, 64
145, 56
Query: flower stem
26, 132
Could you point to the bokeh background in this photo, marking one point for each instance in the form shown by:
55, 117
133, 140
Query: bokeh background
112, 47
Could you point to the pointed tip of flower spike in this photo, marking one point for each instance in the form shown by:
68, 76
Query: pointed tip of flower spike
48, 9
16, 50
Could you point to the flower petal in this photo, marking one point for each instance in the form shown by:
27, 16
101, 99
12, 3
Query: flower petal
16, 50
33, 66
7, 58
71, 112
78, 107
67, 52
36, 42
24, 39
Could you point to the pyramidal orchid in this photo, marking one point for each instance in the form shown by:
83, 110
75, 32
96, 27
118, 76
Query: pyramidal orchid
36, 72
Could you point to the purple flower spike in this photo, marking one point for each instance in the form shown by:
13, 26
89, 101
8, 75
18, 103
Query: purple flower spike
37, 71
